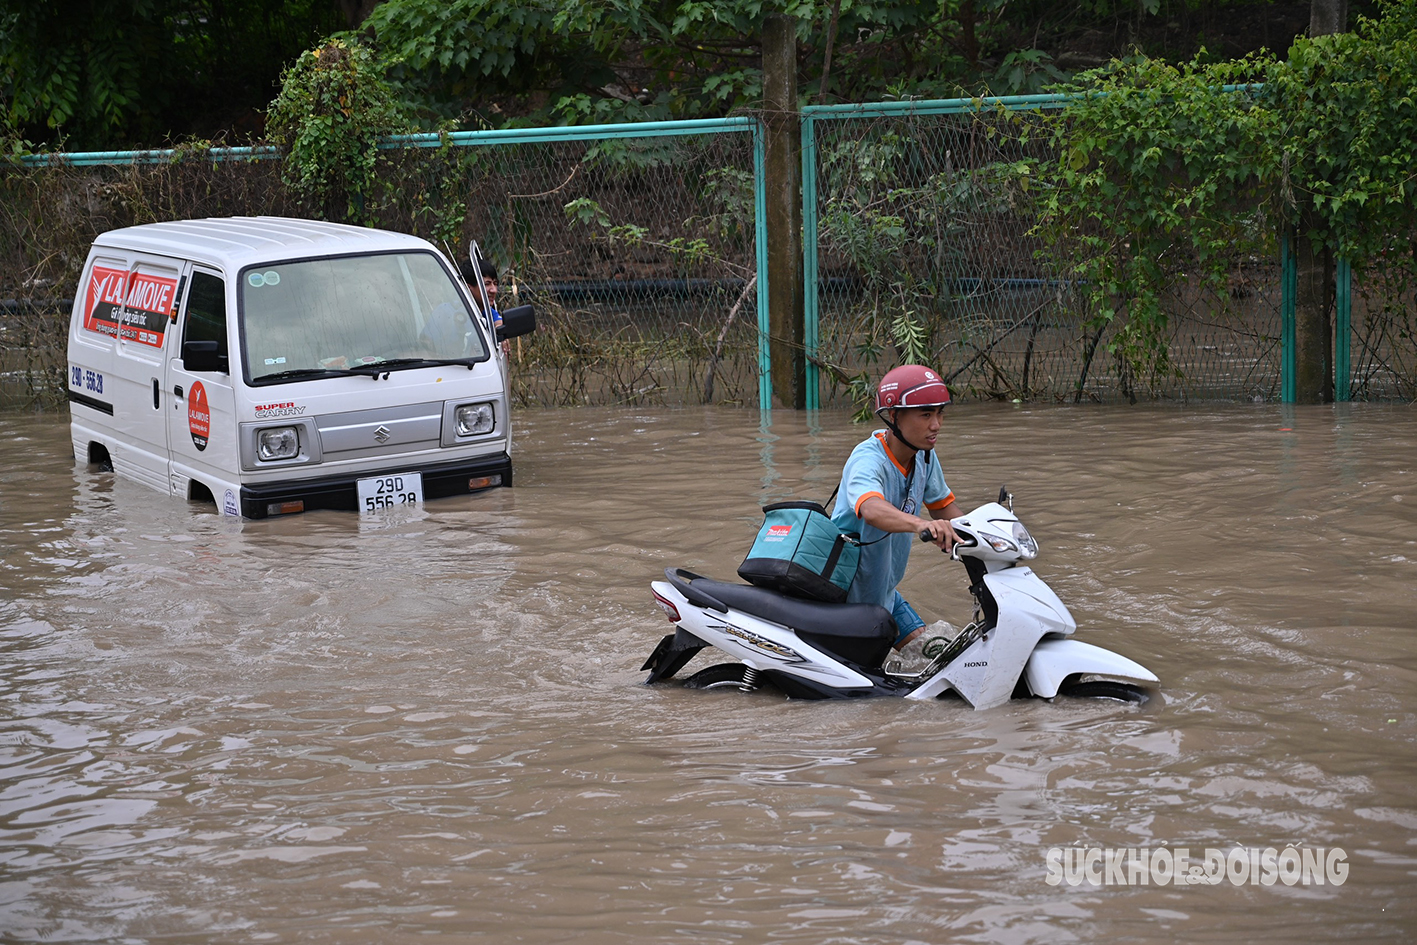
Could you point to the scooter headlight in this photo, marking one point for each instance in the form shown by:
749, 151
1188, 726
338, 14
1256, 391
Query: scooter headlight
1025, 541
1001, 545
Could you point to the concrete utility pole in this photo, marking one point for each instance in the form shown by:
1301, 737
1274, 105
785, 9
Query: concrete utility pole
783, 167
1314, 263
1328, 16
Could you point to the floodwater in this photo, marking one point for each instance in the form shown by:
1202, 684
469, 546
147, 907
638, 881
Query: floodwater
432, 728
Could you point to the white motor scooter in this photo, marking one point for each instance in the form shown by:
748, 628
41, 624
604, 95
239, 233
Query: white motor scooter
1017, 645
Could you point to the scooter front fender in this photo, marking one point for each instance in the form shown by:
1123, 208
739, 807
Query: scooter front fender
1054, 660
1036, 601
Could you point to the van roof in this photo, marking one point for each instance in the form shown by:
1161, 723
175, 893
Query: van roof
232, 242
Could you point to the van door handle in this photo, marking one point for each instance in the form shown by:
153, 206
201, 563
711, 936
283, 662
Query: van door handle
157, 395
178, 391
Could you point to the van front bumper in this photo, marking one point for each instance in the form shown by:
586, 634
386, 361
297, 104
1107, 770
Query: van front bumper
339, 493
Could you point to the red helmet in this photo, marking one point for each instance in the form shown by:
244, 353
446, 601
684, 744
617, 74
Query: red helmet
910, 385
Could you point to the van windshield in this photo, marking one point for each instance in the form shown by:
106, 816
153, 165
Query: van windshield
301, 319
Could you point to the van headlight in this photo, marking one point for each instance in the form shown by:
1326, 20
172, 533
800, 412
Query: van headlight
277, 443
475, 419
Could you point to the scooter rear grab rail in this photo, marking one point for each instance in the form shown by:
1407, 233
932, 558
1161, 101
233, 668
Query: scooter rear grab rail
683, 580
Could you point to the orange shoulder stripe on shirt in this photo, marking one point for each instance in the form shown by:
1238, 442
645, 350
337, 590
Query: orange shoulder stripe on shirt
903, 471
868, 495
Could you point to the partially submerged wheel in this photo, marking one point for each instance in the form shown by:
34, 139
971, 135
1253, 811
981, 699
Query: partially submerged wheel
722, 676
1105, 689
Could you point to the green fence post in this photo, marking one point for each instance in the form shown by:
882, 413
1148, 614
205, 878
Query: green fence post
760, 222
1342, 331
1288, 288
810, 295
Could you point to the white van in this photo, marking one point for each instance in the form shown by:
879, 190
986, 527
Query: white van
275, 365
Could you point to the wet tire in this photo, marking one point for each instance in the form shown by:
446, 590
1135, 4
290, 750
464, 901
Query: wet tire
722, 676
1105, 689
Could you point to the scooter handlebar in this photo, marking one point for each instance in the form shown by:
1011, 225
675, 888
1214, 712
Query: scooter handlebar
963, 542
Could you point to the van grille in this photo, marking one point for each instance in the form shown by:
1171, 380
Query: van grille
379, 432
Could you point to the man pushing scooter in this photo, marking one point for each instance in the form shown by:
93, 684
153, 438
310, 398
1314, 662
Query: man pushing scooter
891, 478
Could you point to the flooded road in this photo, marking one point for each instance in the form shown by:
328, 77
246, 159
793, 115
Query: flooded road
432, 728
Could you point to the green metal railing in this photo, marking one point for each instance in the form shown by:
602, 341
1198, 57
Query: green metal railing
1342, 331
162, 156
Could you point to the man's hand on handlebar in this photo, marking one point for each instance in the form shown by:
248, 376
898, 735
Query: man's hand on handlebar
940, 533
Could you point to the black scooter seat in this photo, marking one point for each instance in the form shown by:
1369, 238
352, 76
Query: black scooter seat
862, 633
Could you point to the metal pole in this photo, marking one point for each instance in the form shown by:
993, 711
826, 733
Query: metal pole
1342, 331
1288, 288
760, 240
811, 302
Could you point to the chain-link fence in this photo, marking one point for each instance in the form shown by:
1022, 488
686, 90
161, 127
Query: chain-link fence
639, 255
1383, 351
50, 215
639, 251
927, 252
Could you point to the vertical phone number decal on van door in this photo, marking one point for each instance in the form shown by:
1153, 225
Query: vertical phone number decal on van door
131, 305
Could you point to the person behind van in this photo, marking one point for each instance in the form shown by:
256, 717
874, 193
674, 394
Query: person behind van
888, 481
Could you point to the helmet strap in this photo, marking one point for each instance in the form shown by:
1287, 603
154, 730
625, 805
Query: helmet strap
900, 436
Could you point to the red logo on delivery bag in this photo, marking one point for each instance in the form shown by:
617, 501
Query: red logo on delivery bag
777, 532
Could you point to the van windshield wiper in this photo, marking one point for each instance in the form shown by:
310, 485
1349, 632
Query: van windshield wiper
309, 372
381, 366
376, 369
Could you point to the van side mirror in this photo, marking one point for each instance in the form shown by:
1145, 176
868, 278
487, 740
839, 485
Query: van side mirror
204, 356
517, 322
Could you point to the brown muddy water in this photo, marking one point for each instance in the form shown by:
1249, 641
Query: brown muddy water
433, 728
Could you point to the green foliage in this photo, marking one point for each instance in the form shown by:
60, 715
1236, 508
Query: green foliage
102, 74
1025, 72
334, 106
685, 251
63, 67
1348, 133
1157, 173
439, 50
1161, 167
591, 61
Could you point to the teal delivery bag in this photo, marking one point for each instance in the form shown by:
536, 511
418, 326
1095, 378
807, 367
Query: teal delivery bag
800, 551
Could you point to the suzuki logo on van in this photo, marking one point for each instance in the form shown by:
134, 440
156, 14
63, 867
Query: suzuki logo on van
382, 434
288, 409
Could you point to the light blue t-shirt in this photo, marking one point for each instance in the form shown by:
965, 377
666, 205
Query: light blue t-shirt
872, 470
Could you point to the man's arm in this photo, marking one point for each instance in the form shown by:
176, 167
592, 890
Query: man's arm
949, 510
879, 513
